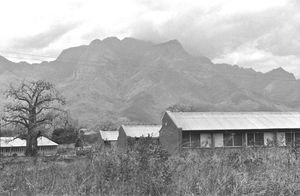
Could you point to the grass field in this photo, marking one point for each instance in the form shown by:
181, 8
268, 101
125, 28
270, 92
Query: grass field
149, 170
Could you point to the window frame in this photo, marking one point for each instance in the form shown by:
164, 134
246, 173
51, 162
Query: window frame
293, 139
232, 135
190, 142
255, 141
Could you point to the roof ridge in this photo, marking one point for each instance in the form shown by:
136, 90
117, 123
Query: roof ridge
142, 125
205, 113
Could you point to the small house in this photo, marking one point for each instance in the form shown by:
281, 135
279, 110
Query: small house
10, 146
129, 134
109, 138
202, 130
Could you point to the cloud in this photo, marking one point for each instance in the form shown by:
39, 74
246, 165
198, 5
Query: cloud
250, 56
218, 29
43, 39
262, 35
211, 31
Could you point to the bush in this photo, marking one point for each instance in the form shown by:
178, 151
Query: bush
64, 135
149, 170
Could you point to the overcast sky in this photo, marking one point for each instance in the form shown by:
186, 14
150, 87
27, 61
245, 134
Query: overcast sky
262, 34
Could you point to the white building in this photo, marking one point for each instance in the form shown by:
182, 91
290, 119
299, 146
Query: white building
10, 146
109, 138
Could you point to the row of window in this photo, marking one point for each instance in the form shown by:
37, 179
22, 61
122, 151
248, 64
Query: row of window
15, 149
22, 149
196, 139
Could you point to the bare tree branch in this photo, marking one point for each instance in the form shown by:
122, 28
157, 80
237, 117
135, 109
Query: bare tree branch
35, 103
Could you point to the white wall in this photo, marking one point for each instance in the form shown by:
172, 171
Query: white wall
268, 137
218, 139
205, 140
281, 139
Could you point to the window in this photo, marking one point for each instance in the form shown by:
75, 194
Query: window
255, 139
292, 139
195, 139
297, 139
238, 139
228, 141
250, 139
269, 139
205, 140
233, 139
289, 139
259, 139
185, 139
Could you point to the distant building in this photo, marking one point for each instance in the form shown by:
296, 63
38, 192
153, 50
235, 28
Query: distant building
128, 134
109, 138
10, 146
192, 130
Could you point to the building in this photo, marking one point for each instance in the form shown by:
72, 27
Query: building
128, 134
10, 146
109, 138
185, 130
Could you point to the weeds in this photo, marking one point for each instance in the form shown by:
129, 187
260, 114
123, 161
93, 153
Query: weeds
147, 169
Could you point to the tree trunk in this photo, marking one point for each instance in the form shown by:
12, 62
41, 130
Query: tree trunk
28, 151
31, 144
34, 145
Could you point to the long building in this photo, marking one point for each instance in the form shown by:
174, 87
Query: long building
192, 130
10, 146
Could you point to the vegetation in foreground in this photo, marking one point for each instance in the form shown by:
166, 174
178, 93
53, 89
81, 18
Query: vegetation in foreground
146, 169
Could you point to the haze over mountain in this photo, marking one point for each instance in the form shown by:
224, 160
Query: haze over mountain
135, 80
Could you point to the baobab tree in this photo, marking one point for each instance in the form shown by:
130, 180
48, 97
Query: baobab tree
32, 105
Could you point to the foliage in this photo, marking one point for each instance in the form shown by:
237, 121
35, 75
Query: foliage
106, 126
65, 135
34, 104
149, 170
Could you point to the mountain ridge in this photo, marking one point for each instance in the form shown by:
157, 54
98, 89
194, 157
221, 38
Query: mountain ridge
135, 80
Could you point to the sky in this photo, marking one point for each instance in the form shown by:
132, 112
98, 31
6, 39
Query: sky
261, 34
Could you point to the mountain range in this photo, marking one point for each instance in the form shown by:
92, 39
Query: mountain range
135, 80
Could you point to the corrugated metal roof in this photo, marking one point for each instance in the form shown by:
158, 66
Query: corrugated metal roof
17, 142
4, 141
43, 141
142, 130
235, 120
109, 135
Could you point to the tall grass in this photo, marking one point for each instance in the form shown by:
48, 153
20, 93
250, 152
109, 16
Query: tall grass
147, 169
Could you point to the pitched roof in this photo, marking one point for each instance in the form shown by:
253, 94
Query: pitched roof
17, 142
4, 141
43, 141
235, 120
142, 130
109, 135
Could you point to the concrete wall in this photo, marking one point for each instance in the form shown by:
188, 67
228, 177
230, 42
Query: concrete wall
218, 140
169, 135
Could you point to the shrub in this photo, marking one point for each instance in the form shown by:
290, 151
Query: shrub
147, 169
